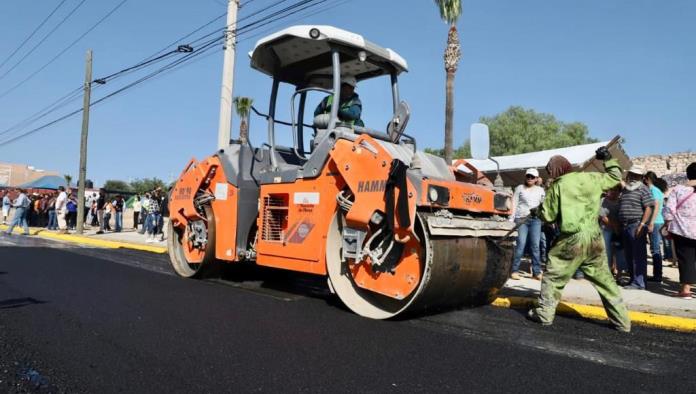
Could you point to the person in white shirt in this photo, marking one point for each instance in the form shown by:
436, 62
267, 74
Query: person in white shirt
6, 204
62, 210
137, 206
526, 201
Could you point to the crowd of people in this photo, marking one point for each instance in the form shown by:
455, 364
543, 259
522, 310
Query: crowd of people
58, 211
639, 217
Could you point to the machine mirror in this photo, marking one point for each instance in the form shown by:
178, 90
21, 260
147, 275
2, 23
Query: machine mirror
480, 141
397, 125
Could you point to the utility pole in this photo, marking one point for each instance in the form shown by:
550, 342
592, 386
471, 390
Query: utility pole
224, 130
82, 178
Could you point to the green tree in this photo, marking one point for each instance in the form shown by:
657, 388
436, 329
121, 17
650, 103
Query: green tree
450, 11
243, 106
463, 151
141, 186
68, 179
115, 185
520, 130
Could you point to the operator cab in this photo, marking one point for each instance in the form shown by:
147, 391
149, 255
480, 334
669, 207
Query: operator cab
313, 59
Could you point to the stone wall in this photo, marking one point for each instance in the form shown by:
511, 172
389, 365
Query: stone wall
666, 164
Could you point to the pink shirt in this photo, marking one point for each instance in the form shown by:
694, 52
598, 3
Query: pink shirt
682, 221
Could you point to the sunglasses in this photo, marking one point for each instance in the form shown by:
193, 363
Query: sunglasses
530, 176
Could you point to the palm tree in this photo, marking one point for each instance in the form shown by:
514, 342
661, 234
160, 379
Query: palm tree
450, 11
243, 107
68, 179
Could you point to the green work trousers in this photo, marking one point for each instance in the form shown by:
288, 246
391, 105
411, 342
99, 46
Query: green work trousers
584, 250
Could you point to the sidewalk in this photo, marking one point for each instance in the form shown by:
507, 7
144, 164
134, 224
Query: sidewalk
656, 299
128, 238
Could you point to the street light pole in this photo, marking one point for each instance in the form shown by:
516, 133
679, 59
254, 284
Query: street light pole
224, 129
83, 144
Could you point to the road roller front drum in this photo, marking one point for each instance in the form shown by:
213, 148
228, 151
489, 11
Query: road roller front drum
450, 271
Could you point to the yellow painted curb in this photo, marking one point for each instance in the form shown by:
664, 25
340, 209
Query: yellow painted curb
79, 239
676, 323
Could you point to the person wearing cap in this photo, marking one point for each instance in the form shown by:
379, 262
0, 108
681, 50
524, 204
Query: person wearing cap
572, 203
350, 107
636, 207
526, 201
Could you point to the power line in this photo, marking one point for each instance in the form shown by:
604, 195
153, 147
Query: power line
165, 68
43, 22
45, 37
157, 56
278, 15
94, 26
186, 60
328, 7
59, 103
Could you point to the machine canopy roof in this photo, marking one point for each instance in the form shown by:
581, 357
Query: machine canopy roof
293, 56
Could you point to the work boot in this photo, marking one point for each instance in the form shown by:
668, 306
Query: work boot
538, 276
624, 330
515, 276
534, 316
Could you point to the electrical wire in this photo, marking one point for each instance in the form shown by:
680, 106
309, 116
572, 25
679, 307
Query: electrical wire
186, 60
59, 103
299, 18
157, 56
43, 22
94, 26
268, 19
49, 34
207, 46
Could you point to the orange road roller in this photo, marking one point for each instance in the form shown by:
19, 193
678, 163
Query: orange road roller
394, 229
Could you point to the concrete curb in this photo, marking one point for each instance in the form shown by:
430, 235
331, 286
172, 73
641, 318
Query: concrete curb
83, 240
665, 322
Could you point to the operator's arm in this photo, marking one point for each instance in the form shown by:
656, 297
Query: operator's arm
612, 177
352, 112
320, 108
551, 206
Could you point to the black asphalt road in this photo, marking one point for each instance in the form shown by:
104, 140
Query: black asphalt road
90, 320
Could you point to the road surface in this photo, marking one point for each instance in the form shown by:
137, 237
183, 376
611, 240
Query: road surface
75, 319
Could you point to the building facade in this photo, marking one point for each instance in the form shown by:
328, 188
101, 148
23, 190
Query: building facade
13, 175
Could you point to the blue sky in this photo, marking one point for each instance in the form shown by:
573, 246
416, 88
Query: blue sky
621, 67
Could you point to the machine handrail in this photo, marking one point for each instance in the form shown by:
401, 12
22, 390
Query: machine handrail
292, 116
284, 123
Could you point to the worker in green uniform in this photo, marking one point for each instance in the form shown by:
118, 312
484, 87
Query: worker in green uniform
572, 202
350, 107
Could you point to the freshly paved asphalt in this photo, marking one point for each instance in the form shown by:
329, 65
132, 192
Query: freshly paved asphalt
91, 320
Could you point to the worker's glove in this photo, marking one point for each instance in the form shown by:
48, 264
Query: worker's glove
534, 212
602, 153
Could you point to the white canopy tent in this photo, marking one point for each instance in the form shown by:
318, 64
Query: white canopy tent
513, 167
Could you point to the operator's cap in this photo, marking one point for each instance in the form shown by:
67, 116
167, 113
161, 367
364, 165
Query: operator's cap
349, 80
637, 169
533, 172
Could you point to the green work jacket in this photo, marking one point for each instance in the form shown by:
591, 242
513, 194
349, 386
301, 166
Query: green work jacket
573, 199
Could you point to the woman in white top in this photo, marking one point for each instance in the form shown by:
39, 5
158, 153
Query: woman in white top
526, 201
